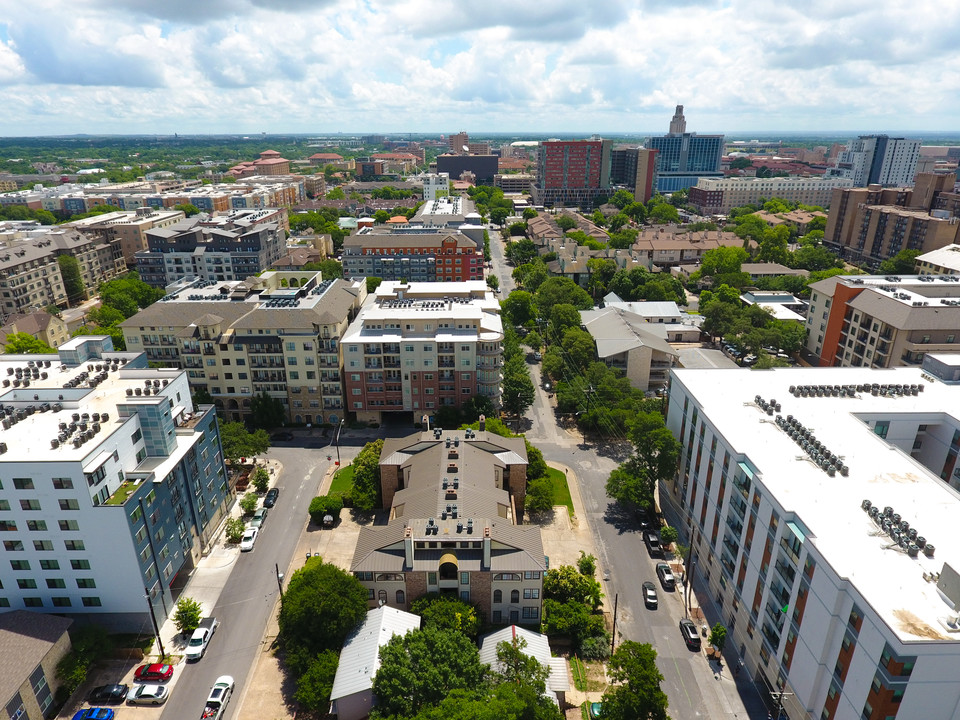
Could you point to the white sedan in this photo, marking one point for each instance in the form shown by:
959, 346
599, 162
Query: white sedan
148, 695
248, 539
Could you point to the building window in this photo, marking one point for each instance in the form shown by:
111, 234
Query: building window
531, 613
464, 578
514, 596
465, 595
531, 593
498, 596
91, 602
401, 597
23, 483
497, 617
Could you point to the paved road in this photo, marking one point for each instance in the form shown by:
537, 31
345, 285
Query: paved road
501, 268
249, 596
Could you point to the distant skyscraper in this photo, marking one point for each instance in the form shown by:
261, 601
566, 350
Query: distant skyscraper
458, 142
678, 124
878, 159
683, 158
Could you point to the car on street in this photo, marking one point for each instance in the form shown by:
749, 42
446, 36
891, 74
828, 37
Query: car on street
666, 576
270, 499
108, 694
281, 437
649, 595
690, 635
156, 672
537, 356
643, 517
94, 713
218, 698
201, 637
652, 539
248, 539
148, 695
258, 519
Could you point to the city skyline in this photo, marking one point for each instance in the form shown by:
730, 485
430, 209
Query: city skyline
297, 66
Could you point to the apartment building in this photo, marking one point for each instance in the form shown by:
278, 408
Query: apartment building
878, 159
683, 158
945, 261
572, 172
278, 333
718, 196
449, 211
435, 185
226, 248
456, 500
423, 256
515, 182
30, 274
819, 506
128, 228
627, 341
416, 347
113, 483
45, 327
671, 246
635, 168
34, 645
874, 321
875, 223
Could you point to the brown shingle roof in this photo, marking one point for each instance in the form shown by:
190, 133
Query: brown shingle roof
25, 638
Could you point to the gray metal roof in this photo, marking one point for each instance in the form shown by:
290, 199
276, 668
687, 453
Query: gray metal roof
360, 656
537, 647
616, 331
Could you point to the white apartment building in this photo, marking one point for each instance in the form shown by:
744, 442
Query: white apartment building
945, 261
111, 483
820, 506
435, 185
888, 161
416, 347
718, 196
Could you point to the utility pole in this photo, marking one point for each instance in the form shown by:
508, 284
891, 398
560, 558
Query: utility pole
613, 635
780, 697
339, 428
279, 579
153, 618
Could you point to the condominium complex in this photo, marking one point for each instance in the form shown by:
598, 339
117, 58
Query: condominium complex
874, 223
112, 483
435, 185
422, 256
635, 168
945, 261
683, 158
416, 347
31, 276
456, 500
718, 196
278, 333
572, 172
819, 506
514, 183
230, 247
127, 227
875, 321
878, 159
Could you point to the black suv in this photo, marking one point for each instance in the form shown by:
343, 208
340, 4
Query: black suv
270, 499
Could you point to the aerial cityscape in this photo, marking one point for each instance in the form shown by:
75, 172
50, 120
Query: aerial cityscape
425, 361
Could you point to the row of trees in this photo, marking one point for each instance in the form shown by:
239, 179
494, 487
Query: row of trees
491, 203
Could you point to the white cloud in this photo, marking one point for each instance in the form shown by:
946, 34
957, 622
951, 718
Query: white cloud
435, 66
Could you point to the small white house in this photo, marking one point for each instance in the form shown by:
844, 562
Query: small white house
352, 694
537, 647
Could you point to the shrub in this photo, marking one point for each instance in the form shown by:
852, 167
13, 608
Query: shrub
187, 615
668, 535
261, 480
596, 648
587, 564
325, 505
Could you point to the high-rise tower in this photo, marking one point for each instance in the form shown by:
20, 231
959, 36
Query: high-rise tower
678, 123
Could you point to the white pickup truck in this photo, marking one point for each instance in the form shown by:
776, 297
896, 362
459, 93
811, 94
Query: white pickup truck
201, 638
218, 699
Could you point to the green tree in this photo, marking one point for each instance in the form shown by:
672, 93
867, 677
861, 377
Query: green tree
321, 606
664, 213
558, 290
187, 615
444, 612
530, 276
188, 209
373, 283
233, 529
723, 261
315, 685
718, 636
655, 448
20, 343
324, 505
529, 213
72, 279
238, 442
565, 584
498, 216
89, 644
381, 216
533, 340
536, 465
618, 221
587, 564
773, 245
636, 211
366, 477
574, 620
336, 194
128, 294
266, 412
493, 282
248, 503
518, 390
741, 163
517, 229
565, 222
539, 497
668, 535
423, 667
261, 479
578, 347
900, 264
635, 692
621, 198
519, 668
520, 252
518, 307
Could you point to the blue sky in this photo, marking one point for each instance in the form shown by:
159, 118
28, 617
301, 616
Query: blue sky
319, 66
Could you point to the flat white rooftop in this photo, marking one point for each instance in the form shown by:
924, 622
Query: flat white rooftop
830, 507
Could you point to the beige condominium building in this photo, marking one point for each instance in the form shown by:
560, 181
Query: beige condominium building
278, 333
128, 227
714, 196
456, 503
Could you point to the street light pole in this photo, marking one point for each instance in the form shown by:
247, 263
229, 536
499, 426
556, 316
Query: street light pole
153, 618
339, 428
279, 578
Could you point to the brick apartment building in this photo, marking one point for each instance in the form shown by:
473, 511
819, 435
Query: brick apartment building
572, 172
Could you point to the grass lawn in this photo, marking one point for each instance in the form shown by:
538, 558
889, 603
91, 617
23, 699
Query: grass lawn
342, 481
561, 491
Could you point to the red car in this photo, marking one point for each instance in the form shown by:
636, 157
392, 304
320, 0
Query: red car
153, 673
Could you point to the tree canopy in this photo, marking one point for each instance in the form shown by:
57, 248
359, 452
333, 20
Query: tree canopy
445, 612
20, 343
266, 412
238, 442
366, 476
636, 690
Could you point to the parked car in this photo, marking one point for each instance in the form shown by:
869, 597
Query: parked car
218, 698
153, 673
94, 713
201, 638
537, 356
649, 595
108, 694
281, 437
652, 539
248, 539
643, 517
270, 499
690, 635
258, 519
148, 695
666, 576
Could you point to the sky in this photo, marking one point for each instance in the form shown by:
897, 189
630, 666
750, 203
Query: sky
440, 66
